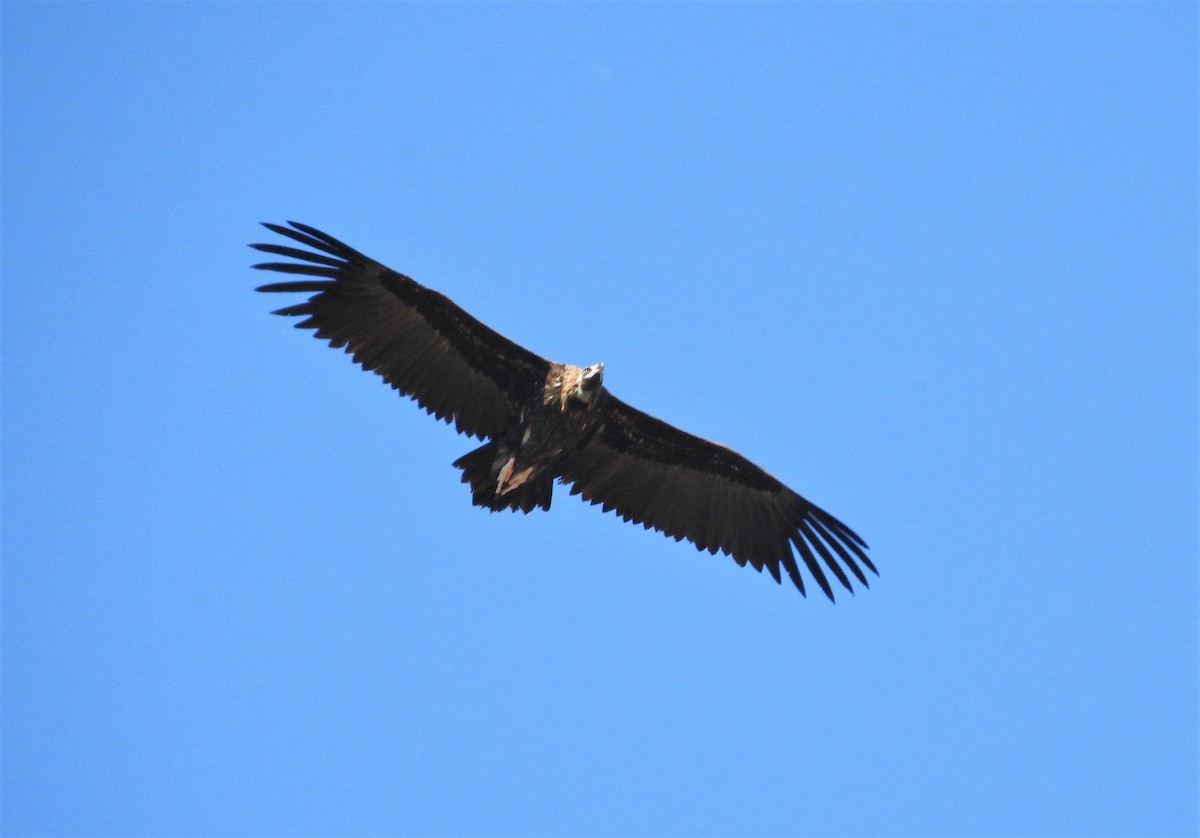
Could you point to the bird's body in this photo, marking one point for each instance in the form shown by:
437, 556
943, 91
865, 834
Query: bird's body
547, 422
518, 469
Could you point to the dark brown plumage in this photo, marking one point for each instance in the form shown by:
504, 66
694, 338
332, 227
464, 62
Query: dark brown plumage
546, 421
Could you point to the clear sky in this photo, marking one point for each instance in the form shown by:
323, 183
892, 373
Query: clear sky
934, 266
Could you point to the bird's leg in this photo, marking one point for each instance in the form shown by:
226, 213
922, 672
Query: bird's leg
505, 472
510, 479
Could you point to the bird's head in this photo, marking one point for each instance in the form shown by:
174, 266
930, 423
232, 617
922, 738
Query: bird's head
589, 382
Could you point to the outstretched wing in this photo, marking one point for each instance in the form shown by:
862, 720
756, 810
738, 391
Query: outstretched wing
657, 475
422, 344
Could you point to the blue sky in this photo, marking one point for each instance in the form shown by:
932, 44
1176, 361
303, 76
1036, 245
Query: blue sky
932, 265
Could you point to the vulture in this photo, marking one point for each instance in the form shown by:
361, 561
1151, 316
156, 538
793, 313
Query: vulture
545, 422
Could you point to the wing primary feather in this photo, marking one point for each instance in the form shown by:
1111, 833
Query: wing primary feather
784, 528
793, 570
786, 556
297, 310
295, 268
834, 542
813, 566
303, 255
314, 238
331, 244
781, 555
830, 562
845, 535
306, 286
771, 562
789, 564
775, 548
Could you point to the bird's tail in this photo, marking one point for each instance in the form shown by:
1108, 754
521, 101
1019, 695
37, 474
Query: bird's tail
481, 471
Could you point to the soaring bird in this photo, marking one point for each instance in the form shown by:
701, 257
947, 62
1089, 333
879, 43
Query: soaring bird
547, 422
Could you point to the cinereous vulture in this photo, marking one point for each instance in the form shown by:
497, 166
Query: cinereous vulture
545, 421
